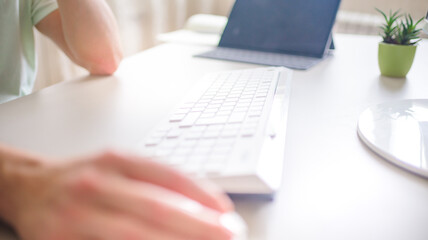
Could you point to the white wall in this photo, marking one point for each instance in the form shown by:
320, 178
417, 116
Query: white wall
417, 8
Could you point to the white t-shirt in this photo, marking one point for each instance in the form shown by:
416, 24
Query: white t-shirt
17, 50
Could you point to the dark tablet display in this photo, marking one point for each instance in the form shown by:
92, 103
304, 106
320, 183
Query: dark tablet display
299, 27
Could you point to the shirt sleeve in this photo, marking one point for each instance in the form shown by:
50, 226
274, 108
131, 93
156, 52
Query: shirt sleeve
41, 8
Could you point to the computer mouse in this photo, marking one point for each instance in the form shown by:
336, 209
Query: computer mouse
234, 223
230, 220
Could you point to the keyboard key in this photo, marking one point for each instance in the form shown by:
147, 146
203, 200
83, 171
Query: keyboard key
261, 95
229, 133
259, 104
215, 120
249, 125
153, 141
198, 128
250, 88
232, 126
163, 153
188, 143
256, 108
246, 96
255, 113
193, 135
208, 115
204, 100
224, 142
201, 105
259, 100
175, 133
229, 104
248, 132
215, 128
211, 134
241, 109
177, 160
213, 105
226, 108
211, 110
224, 113
221, 150
237, 117
232, 99
182, 151
217, 102
201, 151
243, 104
197, 109
244, 101
190, 119
196, 160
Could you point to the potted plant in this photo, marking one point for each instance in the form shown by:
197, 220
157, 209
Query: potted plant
398, 48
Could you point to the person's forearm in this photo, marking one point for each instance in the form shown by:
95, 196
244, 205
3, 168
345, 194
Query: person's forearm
91, 34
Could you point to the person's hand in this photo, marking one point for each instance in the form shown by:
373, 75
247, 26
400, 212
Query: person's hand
115, 197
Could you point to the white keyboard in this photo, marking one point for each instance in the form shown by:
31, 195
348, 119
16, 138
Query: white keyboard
220, 129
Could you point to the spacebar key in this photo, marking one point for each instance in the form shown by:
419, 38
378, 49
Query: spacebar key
190, 119
212, 121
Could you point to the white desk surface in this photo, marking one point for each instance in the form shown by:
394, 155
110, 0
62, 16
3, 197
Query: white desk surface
334, 187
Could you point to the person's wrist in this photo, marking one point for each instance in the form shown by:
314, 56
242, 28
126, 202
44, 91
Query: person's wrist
16, 171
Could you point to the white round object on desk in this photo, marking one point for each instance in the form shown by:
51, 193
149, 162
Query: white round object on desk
206, 23
398, 131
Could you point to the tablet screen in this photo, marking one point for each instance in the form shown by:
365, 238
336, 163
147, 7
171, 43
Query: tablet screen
299, 27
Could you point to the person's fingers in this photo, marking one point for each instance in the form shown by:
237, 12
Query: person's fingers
105, 224
167, 210
216, 192
93, 222
150, 171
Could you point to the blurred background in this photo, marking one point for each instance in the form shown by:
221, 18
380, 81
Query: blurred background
140, 21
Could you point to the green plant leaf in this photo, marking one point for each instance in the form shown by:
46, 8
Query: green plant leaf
404, 32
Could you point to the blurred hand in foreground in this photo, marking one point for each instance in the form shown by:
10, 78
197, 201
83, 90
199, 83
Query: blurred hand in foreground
110, 196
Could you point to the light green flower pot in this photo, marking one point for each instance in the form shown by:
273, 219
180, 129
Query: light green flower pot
395, 60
